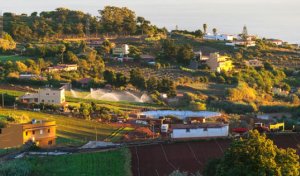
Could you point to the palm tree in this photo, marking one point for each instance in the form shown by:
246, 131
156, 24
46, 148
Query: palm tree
215, 31
204, 28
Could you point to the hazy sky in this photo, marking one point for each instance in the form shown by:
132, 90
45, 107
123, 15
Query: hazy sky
270, 18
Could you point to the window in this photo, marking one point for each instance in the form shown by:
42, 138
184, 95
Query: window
0, 131
50, 142
41, 131
47, 93
48, 130
26, 133
52, 101
43, 101
33, 132
188, 130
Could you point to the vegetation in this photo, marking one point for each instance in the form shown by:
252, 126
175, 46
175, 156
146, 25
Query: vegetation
256, 155
111, 163
69, 128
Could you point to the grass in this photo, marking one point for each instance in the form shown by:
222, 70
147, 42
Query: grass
118, 134
5, 151
4, 58
14, 93
110, 163
69, 130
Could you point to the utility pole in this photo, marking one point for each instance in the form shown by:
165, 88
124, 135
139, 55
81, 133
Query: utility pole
96, 135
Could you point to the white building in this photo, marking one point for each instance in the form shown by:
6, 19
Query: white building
241, 43
183, 131
121, 50
221, 37
47, 96
275, 42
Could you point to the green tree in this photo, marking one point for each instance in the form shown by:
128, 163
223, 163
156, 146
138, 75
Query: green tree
257, 155
109, 77
134, 52
137, 79
71, 58
185, 54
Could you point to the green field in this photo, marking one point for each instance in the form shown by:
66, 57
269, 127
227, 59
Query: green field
14, 93
110, 163
69, 130
12, 58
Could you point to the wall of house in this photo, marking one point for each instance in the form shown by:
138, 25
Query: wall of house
49, 96
42, 133
11, 136
200, 132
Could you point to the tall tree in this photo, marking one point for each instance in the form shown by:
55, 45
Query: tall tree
205, 28
62, 49
215, 31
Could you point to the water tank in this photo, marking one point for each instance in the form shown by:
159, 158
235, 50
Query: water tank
33, 121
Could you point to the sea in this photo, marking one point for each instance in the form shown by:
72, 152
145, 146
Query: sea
278, 19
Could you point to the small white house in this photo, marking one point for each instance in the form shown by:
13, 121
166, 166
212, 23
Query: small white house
221, 37
275, 42
121, 50
184, 131
47, 96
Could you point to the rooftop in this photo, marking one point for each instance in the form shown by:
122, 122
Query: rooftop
195, 126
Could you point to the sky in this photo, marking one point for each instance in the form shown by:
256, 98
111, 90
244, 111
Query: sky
266, 18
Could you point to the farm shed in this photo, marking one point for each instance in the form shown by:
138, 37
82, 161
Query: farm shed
183, 131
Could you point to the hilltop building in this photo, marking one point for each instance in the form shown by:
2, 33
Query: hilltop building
47, 96
121, 50
275, 42
220, 37
43, 133
219, 63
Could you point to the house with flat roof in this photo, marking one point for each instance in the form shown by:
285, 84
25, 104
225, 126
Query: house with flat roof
219, 37
275, 41
62, 67
219, 63
42, 133
46, 96
203, 130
